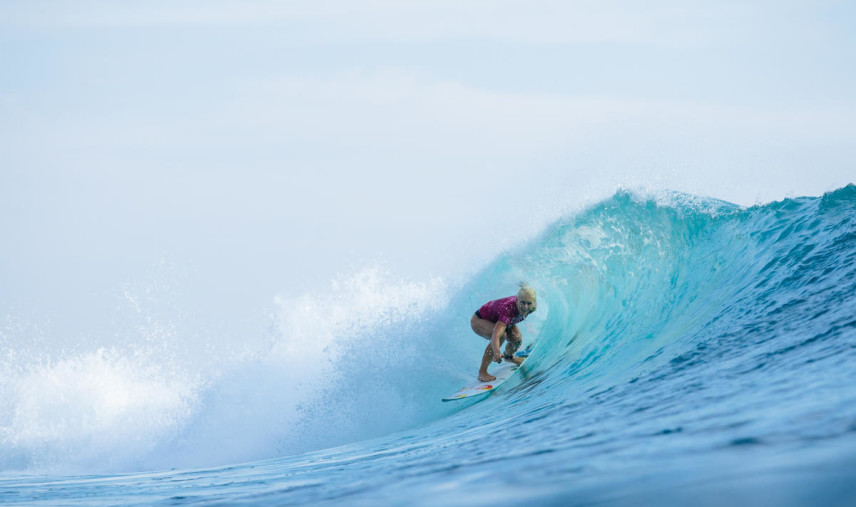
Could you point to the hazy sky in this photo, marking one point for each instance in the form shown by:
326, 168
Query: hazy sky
266, 146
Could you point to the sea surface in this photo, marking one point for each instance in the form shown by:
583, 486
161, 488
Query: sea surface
688, 351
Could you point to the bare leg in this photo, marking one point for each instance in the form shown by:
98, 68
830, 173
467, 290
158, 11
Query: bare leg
487, 358
484, 328
514, 341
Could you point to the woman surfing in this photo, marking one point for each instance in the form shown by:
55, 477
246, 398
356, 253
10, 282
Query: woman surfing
497, 322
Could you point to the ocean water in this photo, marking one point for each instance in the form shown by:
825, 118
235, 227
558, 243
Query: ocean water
687, 351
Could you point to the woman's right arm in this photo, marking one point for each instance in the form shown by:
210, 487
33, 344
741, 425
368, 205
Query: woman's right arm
498, 330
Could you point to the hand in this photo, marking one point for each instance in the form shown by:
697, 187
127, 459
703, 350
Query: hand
497, 356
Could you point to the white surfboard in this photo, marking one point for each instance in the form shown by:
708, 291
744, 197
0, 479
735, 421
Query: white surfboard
479, 388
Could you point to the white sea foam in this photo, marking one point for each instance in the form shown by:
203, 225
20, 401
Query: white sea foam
173, 398
95, 410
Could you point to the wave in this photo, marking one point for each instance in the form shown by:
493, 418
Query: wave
720, 320
679, 282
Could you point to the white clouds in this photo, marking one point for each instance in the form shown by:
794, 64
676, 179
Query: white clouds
662, 22
448, 135
405, 108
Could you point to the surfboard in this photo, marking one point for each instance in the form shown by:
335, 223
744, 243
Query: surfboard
502, 373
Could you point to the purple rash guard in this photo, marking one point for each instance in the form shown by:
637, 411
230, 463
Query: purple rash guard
504, 310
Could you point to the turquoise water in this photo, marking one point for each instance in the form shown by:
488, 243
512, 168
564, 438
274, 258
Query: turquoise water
687, 351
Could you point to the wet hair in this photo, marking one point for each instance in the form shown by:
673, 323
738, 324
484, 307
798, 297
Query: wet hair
527, 291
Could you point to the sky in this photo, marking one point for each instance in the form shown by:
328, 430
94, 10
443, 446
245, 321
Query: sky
245, 149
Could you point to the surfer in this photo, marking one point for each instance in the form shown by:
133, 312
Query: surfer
497, 321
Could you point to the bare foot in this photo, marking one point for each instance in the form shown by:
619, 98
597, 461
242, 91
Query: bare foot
486, 377
517, 360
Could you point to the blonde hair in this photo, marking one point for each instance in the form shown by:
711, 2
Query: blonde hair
527, 291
